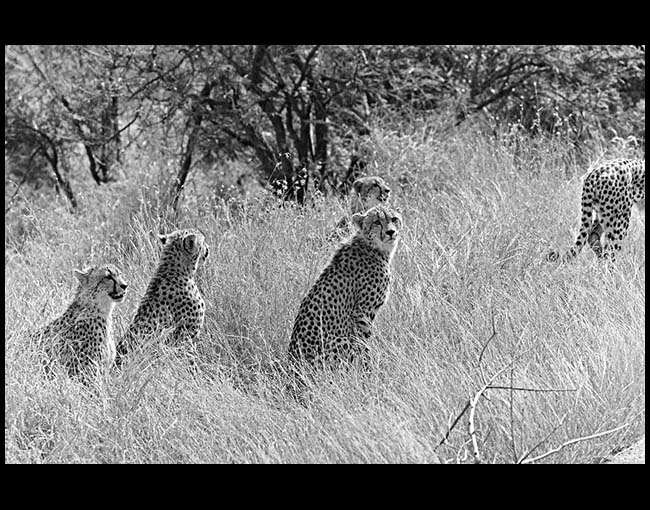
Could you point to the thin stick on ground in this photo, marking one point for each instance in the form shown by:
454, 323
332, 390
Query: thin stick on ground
472, 411
540, 390
569, 443
546, 438
511, 405
494, 334
474, 401
453, 425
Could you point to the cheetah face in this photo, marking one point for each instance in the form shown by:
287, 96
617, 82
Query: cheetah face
104, 282
189, 244
381, 225
371, 191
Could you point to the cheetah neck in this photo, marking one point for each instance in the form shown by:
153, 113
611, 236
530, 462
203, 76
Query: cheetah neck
83, 308
181, 268
362, 242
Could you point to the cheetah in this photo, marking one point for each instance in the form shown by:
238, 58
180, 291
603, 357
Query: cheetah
335, 317
368, 192
608, 193
172, 299
81, 339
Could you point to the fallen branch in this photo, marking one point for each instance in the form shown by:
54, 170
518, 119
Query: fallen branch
472, 410
494, 333
453, 425
474, 401
515, 388
568, 443
546, 438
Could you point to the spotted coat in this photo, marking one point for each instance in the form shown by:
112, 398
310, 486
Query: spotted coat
608, 193
172, 300
81, 339
334, 320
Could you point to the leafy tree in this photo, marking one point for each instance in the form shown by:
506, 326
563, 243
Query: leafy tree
297, 110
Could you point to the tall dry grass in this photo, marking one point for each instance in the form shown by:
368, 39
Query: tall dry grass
479, 213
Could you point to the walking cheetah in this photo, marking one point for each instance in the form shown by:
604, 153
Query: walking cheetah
81, 339
172, 299
368, 192
334, 319
608, 193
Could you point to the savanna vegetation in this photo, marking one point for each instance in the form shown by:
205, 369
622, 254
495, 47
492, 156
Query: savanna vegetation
484, 350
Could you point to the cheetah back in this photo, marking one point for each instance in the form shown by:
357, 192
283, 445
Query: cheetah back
339, 309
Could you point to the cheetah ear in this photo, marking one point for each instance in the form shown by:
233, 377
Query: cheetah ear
82, 274
163, 238
356, 185
357, 219
190, 242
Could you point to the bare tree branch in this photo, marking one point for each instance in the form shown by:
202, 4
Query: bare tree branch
569, 443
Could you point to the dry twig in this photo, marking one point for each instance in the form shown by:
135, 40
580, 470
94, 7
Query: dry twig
451, 427
523, 460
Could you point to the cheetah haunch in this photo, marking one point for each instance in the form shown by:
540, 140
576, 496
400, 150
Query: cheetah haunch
335, 318
81, 339
172, 299
608, 193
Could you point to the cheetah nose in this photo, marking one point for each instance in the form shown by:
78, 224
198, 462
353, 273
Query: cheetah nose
123, 285
390, 233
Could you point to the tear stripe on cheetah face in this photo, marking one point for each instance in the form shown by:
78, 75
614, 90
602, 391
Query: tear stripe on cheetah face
102, 285
608, 193
380, 228
369, 192
81, 338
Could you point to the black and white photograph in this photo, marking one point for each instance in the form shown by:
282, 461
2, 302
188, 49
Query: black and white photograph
325, 254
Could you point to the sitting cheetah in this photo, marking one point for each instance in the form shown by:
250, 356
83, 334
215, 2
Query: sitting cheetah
172, 299
608, 193
368, 192
81, 339
334, 319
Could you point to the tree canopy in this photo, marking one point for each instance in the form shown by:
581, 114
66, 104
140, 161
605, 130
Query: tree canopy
297, 110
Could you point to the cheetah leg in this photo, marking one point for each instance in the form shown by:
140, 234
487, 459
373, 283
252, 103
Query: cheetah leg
640, 206
586, 226
615, 231
121, 350
361, 332
594, 238
186, 331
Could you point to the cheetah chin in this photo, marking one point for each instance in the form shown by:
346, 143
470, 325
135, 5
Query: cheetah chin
117, 297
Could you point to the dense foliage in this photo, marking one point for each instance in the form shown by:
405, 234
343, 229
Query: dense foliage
294, 114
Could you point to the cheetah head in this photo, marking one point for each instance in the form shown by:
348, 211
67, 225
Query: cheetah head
189, 244
370, 191
103, 284
381, 226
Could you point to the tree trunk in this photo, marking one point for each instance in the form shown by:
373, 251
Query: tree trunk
196, 117
53, 160
321, 133
110, 134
